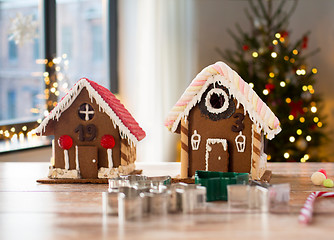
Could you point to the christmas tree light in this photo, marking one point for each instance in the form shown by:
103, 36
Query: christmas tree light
275, 67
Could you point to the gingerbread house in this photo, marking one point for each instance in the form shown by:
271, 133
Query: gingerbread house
222, 123
94, 135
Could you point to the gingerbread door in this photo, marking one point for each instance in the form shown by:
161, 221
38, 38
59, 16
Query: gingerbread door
88, 161
216, 155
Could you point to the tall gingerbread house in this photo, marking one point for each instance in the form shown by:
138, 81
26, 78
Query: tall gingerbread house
94, 134
222, 123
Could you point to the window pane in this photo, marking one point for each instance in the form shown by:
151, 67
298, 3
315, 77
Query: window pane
81, 43
12, 51
21, 81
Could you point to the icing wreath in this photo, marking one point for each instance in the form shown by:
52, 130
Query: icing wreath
216, 103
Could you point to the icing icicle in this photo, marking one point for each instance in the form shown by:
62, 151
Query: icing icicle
122, 119
222, 74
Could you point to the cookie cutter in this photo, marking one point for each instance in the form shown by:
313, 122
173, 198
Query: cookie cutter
193, 198
110, 202
158, 201
128, 190
275, 198
137, 201
139, 181
247, 197
175, 197
279, 197
129, 204
216, 183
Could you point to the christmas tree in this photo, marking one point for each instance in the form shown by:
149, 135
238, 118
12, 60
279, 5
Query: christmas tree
275, 67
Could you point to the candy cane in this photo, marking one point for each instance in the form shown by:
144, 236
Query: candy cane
307, 211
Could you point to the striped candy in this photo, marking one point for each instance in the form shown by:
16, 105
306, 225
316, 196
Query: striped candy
258, 111
306, 212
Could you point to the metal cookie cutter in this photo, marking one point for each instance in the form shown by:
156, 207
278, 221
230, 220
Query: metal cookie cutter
193, 198
186, 198
175, 197
248, 197
139, 181
129, 204
279, 197
275, 198
155, 201
135, 196
110, 202
142, 184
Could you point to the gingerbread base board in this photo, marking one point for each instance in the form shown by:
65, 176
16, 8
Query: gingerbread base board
80, 180
183, 180
72, 181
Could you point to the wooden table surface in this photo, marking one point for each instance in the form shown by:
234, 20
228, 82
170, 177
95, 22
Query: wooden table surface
29, 210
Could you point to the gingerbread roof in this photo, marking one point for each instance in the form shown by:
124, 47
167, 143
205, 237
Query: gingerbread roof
107, 101
219, 72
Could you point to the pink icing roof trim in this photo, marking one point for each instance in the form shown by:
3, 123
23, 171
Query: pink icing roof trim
219, 72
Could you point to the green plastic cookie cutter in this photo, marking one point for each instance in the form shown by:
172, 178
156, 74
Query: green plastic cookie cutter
216, 183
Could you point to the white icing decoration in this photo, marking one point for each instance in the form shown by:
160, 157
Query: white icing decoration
109, 153
69, 99
230, 84
67, 162
195, 140
53, 153
240, 142
77, 167
208, 105
113, 123
87, 112
208, 148
251, 172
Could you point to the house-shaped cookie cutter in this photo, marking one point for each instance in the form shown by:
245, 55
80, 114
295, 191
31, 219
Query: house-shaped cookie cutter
263, 197
216, 183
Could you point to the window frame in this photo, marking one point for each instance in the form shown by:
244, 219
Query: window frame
48, 48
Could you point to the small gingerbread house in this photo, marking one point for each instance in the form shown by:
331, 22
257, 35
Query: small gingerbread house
222, 123
95, 135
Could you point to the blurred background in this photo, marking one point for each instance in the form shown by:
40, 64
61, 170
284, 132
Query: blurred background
148, 51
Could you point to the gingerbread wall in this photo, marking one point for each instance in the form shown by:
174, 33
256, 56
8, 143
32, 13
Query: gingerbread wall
70, 120
220, 129
128, 153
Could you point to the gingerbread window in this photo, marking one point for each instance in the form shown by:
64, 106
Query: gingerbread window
216, 100
216, 103
86, 112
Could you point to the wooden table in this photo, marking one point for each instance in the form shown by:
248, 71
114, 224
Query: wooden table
29, 210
